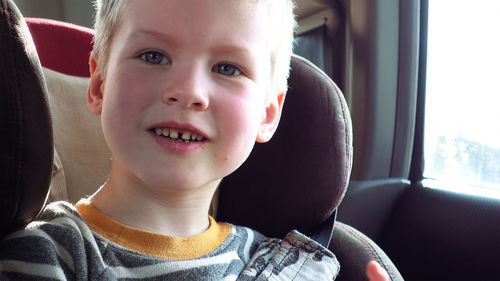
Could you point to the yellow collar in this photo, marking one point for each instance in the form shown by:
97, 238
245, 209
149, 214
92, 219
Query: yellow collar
152, 244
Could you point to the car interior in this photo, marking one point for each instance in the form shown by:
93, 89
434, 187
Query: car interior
354, 178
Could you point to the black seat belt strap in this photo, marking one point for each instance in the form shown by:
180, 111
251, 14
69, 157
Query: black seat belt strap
323, 234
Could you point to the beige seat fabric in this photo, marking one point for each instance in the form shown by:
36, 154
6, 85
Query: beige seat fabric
78, 139
58, 183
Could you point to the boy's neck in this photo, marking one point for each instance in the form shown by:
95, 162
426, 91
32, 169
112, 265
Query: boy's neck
180, 214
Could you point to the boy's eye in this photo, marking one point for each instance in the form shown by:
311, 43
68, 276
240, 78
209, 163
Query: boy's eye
153, 57
226, 69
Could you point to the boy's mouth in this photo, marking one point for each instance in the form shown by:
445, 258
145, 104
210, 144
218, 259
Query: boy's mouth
178, 135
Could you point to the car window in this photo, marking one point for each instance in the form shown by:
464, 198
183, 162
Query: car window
462, 125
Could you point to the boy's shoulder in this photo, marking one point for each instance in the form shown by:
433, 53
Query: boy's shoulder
241, 242
52, 246
58, 226
57, 219
246, 233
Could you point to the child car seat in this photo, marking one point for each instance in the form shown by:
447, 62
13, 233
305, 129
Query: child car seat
296, 181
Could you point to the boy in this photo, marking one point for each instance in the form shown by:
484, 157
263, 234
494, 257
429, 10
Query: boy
184, 89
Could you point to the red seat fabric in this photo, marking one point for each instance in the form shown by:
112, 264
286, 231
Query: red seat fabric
69, 58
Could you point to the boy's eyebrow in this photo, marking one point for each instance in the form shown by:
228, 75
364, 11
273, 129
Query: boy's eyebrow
152, 33
223, 48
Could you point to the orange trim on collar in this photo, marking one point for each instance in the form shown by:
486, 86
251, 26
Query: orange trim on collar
152, 244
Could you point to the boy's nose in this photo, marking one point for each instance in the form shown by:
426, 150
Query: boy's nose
200, 104
188, 91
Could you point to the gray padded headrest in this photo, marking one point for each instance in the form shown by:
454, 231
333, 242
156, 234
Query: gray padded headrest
26, 147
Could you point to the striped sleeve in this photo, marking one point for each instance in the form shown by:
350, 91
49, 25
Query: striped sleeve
55, 247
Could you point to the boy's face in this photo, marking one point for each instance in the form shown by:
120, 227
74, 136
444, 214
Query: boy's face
191, 69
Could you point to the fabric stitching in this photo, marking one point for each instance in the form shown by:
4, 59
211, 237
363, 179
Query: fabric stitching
302, 265
346, 140
283, 259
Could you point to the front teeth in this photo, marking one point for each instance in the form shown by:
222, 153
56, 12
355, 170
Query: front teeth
186, 136
176, 135
172, 134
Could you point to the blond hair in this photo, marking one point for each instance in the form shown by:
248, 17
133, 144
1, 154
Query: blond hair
108, 15
281, 13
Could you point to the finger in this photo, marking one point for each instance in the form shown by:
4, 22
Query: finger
376, 272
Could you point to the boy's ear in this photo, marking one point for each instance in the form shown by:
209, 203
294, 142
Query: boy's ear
271, 119
95, 90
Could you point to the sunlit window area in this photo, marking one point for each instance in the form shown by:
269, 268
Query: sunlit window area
462, 124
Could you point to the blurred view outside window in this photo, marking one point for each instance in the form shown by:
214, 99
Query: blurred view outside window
462, 125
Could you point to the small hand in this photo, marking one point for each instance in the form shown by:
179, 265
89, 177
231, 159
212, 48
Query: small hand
376, 272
